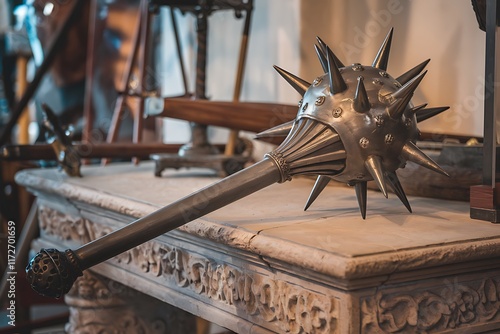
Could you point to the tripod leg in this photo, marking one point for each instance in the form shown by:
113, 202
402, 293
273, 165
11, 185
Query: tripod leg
233, 135
88, 112
179, 52
122, 89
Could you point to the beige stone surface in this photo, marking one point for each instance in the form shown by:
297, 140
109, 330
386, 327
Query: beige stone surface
332, 226
263, 265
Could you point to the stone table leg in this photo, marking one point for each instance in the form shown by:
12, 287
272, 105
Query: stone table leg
100, 305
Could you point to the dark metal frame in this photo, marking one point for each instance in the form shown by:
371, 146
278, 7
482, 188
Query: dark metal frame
485, 198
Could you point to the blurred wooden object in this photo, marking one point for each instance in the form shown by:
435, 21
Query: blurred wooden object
24, 119
53, 49
233, 135
138, 57
246, 116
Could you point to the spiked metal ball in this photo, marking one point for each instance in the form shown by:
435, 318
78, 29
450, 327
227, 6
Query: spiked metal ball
355, 124
370, 115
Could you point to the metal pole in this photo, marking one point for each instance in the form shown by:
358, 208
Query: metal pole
179, 51
199, 139
491, 95
233, 135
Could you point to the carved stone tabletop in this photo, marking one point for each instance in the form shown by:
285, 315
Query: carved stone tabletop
263, 265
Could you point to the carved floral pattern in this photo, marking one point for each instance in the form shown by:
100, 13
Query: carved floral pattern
455, 305
66, 227
291, 308
100, 305
285, 307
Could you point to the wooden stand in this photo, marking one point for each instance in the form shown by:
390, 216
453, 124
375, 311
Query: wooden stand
485, 203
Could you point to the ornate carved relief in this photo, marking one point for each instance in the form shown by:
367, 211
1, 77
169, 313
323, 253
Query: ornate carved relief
454, 305
291, 308
100, 305
272, 302
66, 227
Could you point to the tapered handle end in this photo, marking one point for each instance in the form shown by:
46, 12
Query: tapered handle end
52, 273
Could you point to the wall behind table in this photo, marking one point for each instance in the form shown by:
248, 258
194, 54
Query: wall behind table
446, 31
283, 33
274, 39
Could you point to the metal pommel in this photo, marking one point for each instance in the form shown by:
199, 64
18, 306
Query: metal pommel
52, 273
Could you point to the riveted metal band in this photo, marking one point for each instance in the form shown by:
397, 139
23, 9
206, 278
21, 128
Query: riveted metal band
282, 165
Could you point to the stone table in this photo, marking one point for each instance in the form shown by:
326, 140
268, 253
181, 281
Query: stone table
263, 265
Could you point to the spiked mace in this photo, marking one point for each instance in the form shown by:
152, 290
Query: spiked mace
355, 124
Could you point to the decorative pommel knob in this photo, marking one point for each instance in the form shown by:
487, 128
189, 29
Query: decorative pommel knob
52, 273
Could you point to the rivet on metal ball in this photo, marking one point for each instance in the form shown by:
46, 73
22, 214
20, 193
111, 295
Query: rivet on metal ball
364, 142
378, 82
389, 139
383, 74
337, 112
408, 122
397, 84
379, 120
360, 176
357, 67
305, 106
300, 103
317, 81
320, 100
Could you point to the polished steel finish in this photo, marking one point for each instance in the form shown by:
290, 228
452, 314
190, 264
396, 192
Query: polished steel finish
277, 131
407, 76
412, 153
337, 83
393, 181
375, 167
323, 47
382, 58
322, 58
297, 83
321, 182
361, 194
427, 113
361, 102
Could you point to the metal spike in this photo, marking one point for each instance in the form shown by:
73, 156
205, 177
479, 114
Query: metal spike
322, 44
409, 87
337, 83
407, 76
374, 165
361, 102
427, 113
361, 190
297, 83
403, 95
414, 110
277, 131
323, 47
382, 58
412, 153
322, 58
321, 182
398, 107
394, 183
